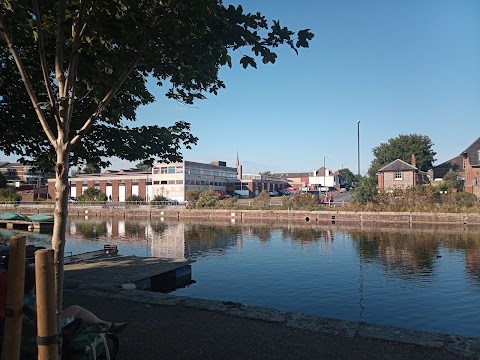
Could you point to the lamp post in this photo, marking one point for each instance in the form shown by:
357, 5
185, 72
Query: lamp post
324, 173
358, 146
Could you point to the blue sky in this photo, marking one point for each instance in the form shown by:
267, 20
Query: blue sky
400, 67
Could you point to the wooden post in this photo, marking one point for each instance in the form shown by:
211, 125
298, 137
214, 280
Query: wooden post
13, 313
47, 334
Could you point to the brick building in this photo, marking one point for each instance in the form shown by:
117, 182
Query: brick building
401, 175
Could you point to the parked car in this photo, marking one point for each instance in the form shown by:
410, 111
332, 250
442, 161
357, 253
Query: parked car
222, 194
169, 201
273, 193
72, 200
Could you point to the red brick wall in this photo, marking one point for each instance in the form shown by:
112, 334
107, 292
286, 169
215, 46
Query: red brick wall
115, 190
142, 184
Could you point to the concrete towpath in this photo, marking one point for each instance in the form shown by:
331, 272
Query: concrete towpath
162, 326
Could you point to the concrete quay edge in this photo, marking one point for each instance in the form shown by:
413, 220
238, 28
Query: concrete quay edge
455, 344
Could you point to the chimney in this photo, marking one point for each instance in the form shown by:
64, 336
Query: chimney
414, 161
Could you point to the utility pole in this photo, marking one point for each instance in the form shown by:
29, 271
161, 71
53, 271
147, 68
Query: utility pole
358, 146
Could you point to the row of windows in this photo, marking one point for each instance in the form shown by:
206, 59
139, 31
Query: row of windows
168, 170
207, 172
201, 182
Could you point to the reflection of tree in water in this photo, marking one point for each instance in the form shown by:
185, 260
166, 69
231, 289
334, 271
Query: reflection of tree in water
470, 245
91, 230
403, 253
134, 228
200, 237
263, 233
307, 235
158, 228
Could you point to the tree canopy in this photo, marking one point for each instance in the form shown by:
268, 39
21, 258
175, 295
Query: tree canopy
78, 70
96, 62
402, 147
348, 176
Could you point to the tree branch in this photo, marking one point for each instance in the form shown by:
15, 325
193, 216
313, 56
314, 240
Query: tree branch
73, 64
59, 49
43, 62
110, 95
26, 82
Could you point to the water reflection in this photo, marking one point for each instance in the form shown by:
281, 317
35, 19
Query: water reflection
424, 278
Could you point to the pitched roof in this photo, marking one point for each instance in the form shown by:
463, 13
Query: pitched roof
398, 165
472, 152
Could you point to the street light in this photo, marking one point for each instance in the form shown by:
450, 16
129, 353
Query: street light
324, 171
358, 145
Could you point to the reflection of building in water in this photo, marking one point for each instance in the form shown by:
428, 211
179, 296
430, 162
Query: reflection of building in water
472, 260
168, 244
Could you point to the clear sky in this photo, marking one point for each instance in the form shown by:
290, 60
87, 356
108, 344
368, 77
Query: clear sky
400, 67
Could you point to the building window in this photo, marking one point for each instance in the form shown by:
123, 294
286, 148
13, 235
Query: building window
163, 170
156, 182
171, 181
398, 175
179, 170
171, 169
164, 182
178, 181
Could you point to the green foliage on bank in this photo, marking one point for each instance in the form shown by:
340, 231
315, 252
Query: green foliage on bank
8, 195
92, 195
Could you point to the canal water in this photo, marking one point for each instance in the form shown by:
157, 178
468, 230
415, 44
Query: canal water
424, 279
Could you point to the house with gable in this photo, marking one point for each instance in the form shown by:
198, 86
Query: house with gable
401, 175
466, 165
471, 161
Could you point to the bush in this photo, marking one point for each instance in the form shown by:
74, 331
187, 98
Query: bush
9, 195
465, 199
263, 199
207, 199
365, 192
192, 196
92, 195
135, 199
302, 200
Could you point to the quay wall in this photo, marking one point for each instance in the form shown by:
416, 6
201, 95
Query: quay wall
239, 216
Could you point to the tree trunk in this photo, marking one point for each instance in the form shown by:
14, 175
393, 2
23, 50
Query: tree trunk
60, 224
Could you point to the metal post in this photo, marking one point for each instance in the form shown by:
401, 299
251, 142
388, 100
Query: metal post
358, 145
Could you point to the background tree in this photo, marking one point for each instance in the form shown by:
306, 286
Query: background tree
9, 195
452, 180
348, 176
92, 195
91, 168
144, 165
365, 191
81, 81
265, 173
402, 147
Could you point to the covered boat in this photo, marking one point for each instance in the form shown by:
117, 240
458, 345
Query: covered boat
41, 218
13, 216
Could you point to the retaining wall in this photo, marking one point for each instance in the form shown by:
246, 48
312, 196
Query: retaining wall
329, 216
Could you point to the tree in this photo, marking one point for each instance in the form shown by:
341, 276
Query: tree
348, 176
402, 147
365, 191
452, 180
79, 70
92, 195
91, 168
144, 165
265, 173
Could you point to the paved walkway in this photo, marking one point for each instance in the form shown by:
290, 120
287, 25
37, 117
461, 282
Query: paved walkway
169, 327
